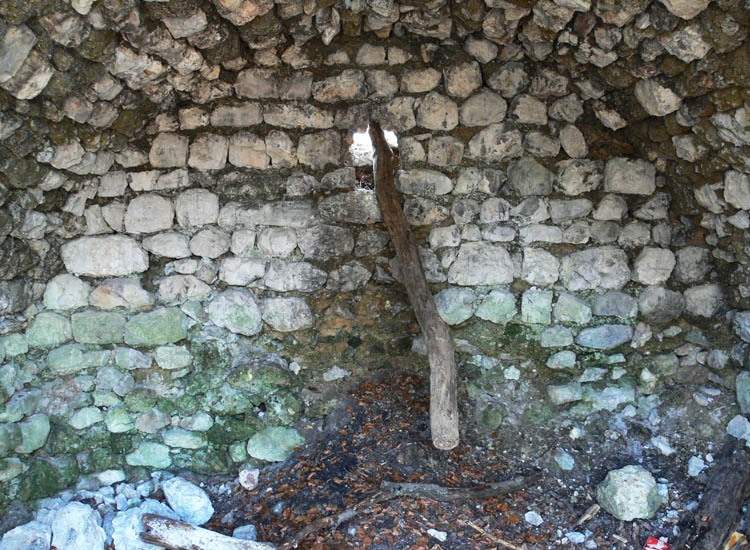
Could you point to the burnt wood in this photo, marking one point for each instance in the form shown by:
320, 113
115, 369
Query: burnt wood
718, 514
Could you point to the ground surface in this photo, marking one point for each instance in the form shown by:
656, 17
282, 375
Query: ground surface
383, 436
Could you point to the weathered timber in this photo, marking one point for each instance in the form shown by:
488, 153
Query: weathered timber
718, 513
443, 402
177, 535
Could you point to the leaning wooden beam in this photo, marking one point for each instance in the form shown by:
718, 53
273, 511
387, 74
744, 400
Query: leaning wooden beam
718, 513
443, 403
177, 535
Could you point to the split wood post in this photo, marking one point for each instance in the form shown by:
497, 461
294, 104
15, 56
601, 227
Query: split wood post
443, 402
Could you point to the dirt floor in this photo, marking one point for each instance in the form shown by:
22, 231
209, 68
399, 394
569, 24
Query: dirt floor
383, 435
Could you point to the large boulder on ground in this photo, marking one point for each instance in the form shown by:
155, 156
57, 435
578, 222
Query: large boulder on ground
629, 493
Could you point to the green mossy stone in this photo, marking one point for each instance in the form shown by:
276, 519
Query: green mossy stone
140, 400
10, 438
227, 400
98, 327
131, 359
86, 417
184, 439
498, 307
156, 328
226, 430
65, 360
149, 454
14, 344
202, 461
238, 451
274, 444
47, 476
284, 407
11, 468
172, 357
48, 330
99, 460
34, 433
167, 406
492, 416
118, 420
67, 440
259, 379
187, 404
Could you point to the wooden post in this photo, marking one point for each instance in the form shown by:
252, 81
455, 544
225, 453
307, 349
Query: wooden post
443, 402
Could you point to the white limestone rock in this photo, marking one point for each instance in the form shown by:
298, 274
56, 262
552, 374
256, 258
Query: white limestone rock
604, 267
168, 151
190, 502
483, 108
496, 143
653, 266
480, 263
539, 267
247, 150
462, 79
168, 245
66, 292
437, 112
629, 176
196, 208
149, 213
320, 149
685, 9
208, 152
111, 255
210, 242
287, 314
77, 526
656, 99
737, 189
121, 292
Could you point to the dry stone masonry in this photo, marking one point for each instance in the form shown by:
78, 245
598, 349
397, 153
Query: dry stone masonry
189, 241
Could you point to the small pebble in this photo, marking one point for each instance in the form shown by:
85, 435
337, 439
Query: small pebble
533, 518
695, 466
575, 537
439, 535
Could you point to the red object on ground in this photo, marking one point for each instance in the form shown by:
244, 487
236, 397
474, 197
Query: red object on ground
656, 544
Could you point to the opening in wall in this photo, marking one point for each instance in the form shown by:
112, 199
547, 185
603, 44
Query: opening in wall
361, 150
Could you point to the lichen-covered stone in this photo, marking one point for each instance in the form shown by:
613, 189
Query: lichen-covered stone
629, 493
287, 314
481, 264
48, 330
98, 327
274, 444
152, 455
156, 328
455, 304
237, 311
66, 292
112, 255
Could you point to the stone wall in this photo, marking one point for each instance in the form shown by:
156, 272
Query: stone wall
191, 255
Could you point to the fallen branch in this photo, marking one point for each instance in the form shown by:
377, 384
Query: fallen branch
176, 535
493, 538
391, 490
718, 513
437, 334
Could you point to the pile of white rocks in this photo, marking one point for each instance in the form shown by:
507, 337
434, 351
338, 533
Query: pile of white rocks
111, 515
